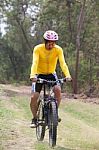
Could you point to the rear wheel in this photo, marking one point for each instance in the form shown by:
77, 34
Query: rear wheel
40, 129
53, 122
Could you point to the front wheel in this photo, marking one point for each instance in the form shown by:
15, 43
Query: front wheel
40, 129
53, 122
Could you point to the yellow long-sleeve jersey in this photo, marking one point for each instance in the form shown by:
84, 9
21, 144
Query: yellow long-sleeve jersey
45, 61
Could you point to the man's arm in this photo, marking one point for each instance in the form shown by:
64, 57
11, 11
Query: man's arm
34, 63
63, 65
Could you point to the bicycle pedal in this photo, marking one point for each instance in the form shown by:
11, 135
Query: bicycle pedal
41, 123
47, 128
59, 119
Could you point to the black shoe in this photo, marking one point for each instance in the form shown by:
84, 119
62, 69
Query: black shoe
59, 119
33, 123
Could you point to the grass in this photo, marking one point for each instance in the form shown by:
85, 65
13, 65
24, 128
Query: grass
14, 124
78, 130
87, 112
80, 125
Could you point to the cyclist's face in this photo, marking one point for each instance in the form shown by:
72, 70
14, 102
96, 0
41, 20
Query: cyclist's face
49, 45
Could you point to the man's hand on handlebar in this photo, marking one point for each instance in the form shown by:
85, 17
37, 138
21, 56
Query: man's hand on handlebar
68, 78
34, 79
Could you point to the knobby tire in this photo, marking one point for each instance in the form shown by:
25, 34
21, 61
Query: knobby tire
40, 129
53, 122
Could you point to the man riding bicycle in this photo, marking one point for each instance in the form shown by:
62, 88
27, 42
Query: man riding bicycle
45, 58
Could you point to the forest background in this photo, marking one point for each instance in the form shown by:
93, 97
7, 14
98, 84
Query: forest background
76, 22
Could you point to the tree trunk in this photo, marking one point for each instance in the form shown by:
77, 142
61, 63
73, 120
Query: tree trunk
69, 20
24, 34
79, 28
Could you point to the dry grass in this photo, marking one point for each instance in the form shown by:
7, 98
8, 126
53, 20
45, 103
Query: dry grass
78, 130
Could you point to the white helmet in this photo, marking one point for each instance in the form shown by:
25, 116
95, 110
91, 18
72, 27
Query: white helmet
50, 35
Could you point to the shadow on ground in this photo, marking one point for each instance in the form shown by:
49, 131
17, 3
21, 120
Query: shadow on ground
45, 145
63, 148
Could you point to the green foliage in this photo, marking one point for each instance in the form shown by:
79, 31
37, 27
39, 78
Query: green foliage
27, 21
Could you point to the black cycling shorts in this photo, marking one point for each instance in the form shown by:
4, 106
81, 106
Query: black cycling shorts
37, 87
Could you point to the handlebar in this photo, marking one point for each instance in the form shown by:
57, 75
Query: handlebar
39, 80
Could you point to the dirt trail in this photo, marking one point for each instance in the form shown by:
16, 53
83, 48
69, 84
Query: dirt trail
16, 134
18, 141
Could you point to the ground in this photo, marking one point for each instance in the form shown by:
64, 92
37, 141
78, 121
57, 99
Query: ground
15, 131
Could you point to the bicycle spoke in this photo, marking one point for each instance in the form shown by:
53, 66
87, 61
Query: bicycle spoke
40, 129
53, 122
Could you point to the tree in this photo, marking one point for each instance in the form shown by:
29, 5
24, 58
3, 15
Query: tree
76, 22
18, 37
78, 43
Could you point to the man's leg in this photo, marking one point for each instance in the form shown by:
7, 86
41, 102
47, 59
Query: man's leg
34, 107
34, 104
57, 92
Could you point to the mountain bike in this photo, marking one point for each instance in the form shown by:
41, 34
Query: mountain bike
47, 114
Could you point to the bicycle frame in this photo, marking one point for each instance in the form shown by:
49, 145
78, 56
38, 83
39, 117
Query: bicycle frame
47, 98
48, 112
45, 86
